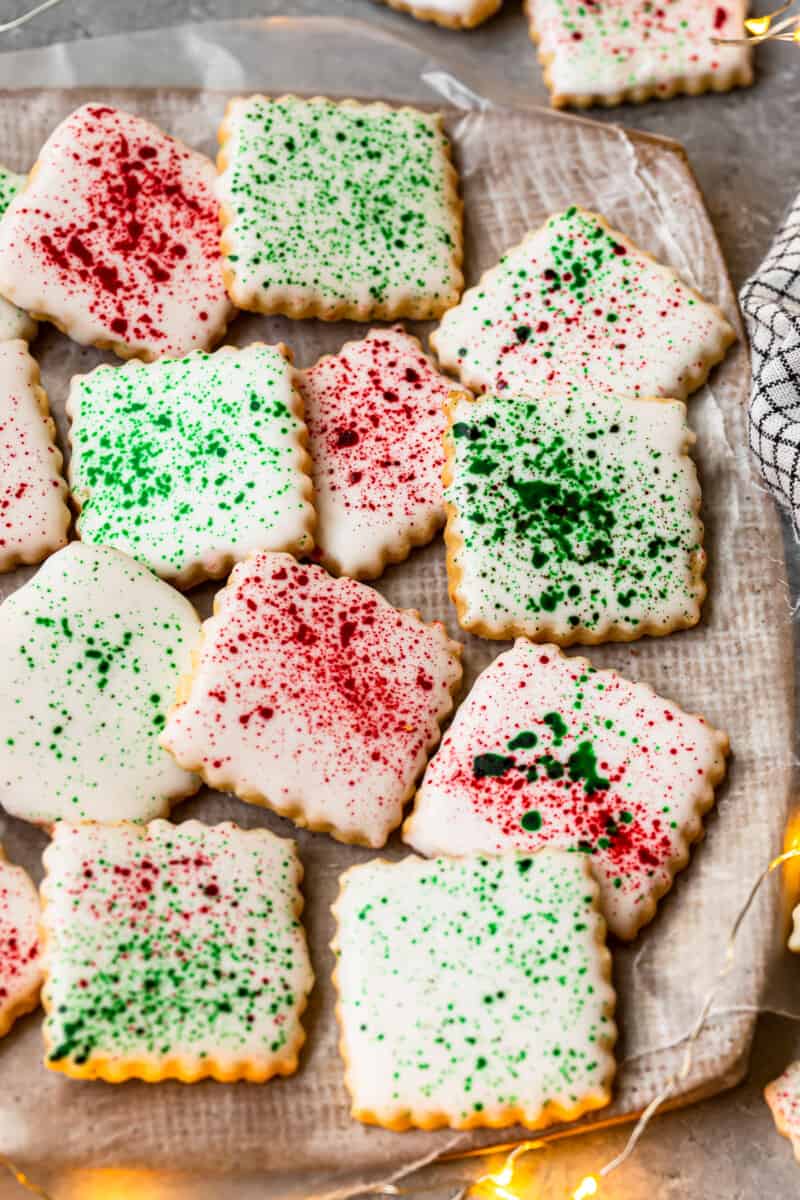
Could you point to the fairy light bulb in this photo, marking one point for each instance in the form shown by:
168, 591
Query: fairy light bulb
587, 1187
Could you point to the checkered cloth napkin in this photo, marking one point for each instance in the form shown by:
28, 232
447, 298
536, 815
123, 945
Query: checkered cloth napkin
771, 305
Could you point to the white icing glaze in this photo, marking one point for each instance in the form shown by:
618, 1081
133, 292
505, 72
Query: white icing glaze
375, 422
590, 529
315, 696
20, 962
91, 650
524, 763
14, 323
550, 319
783, 1098
473, 991
196, 929
189, 465
338, 209
613, 48
34, 517
115, 238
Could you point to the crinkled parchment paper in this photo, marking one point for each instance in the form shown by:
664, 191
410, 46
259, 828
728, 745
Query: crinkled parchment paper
736, 668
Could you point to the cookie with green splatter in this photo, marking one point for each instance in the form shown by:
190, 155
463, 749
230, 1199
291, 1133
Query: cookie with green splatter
474, 991
91, 652
572, 519
191, 464
173, 952
14, 323
577, 304
336, 209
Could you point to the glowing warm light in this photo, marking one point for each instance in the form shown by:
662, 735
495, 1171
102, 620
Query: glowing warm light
587, 1187
758, 26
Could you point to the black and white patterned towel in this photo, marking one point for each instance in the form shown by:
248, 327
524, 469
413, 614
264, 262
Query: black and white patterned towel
771, 305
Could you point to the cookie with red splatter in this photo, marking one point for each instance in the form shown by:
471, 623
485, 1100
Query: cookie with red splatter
376, 422
34, 517
14, 323
20, 952
578, 304
115, 239
783, 1098
315, 697
612, 51
452, 14
548, 751
173, 952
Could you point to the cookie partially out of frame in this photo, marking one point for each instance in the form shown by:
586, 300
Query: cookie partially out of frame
173, 952
91, 651
375, 421
14, 323
115, 238
633, 50
548, 751
572, 519
336, 209
452, 14
474, 992
577, 303
191, 464
20, 951
315, 697
34, 517
783, 1098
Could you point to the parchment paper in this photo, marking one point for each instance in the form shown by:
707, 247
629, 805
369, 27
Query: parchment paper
736, 668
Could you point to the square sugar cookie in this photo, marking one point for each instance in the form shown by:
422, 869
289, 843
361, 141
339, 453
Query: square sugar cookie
783, 1098
577, 304
115, 239
14, 323
611, 51
20, 951
336, 209
315, 697
191, 464
452, 14
572, 520
375, 415
91, 651
173, 952
34, 517
548, 751
474, 992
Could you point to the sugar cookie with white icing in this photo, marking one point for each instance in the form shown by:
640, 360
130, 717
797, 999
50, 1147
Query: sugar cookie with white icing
376, 421
315, 697
91, 651
572, 520
783, 1098
548, 751
191, 464
34, 517
577, 304
115, 239
173, 952
14, 323
20, 952
452, 14
474, 992
612, 51
336, 209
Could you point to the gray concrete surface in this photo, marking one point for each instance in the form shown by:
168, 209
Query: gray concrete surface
743, 148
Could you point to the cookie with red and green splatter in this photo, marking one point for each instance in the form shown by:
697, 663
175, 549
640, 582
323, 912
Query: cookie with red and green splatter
572, 518
14, 323
115, 238
314, 696
577, 305
191, 464
20, 952
548, 751
375, 416
474, 991
613, 51
336, 209
173, 952
783, 1098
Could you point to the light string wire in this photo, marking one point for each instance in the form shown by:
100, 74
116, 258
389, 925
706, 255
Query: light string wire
23, 18
762, 29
